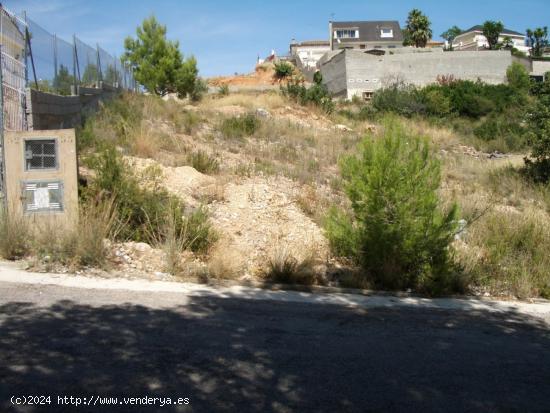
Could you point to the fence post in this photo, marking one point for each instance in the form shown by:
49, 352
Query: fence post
76, 80
55, 58
3, 193
77, 65
99, 74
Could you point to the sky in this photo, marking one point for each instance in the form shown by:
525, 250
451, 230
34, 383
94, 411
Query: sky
226, 37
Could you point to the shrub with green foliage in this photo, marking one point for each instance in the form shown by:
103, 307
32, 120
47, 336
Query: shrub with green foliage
240, 127
518, 77
317, 95
538, 135
204, 163
397, 230
399, 98
142, 204
283, 70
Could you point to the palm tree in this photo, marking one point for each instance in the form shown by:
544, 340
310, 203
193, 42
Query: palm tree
418, 28
450, 35
492, 31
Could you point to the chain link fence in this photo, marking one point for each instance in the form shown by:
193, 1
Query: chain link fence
58, 64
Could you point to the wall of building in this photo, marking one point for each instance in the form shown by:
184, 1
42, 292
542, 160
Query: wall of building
540, 67
65, 172
333, 69
363, 72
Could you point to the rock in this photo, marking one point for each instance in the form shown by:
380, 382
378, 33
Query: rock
142, 247
263, 113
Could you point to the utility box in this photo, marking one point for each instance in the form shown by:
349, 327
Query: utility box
41, 175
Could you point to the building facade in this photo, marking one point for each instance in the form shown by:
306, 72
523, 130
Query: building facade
473, 39
349, 73
309, 52
365, 35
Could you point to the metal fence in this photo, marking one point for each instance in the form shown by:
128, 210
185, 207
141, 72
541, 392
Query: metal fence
57, 64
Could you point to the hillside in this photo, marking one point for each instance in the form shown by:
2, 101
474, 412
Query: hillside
264, 172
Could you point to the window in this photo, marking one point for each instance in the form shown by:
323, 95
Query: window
40, 154
386, 33
367, 96
42, 196
346, 34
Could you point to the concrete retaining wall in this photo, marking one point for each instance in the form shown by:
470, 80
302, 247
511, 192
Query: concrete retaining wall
359, 72
540, 67
46, 111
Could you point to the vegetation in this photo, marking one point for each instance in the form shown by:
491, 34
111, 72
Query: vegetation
492, 31
397, 230
284, 268
538, 39
90, 75
158, 63
63, 81
316, 95
240, 127
450, 36
418, 28
538, 135
283, 70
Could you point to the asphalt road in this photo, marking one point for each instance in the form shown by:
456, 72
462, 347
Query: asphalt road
236, 355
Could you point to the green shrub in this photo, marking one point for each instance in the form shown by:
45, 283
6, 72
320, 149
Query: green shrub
142, 205
316, 95
317, 78
399, 98
437, 103
240, 127
505, 127
223, 90
538, 135
518, 77
204, 163
283, 70
400, 235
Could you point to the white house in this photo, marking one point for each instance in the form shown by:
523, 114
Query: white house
309, 52
473, 39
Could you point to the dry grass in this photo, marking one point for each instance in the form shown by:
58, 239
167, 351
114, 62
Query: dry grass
291, 267
15, 235
250, 101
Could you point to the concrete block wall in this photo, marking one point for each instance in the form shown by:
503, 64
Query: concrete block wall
333, 69
541, 67
354, 72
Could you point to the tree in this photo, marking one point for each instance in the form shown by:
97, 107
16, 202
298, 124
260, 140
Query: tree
397, 230
518, 77
492, 31
450, 35
158, 63
317, 78
419, 28
538, 39
63, 81
538, 135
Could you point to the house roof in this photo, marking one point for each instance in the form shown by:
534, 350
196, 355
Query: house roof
369, 31
312, 43
479, 28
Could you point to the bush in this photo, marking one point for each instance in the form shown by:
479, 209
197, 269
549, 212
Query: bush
204, 163
317, 78
538, 135
223, 90
437, 103
240, 127
506, 127
283, 70
142, 204
399, 98
397, 231
316, 95
518, 77
285, 268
